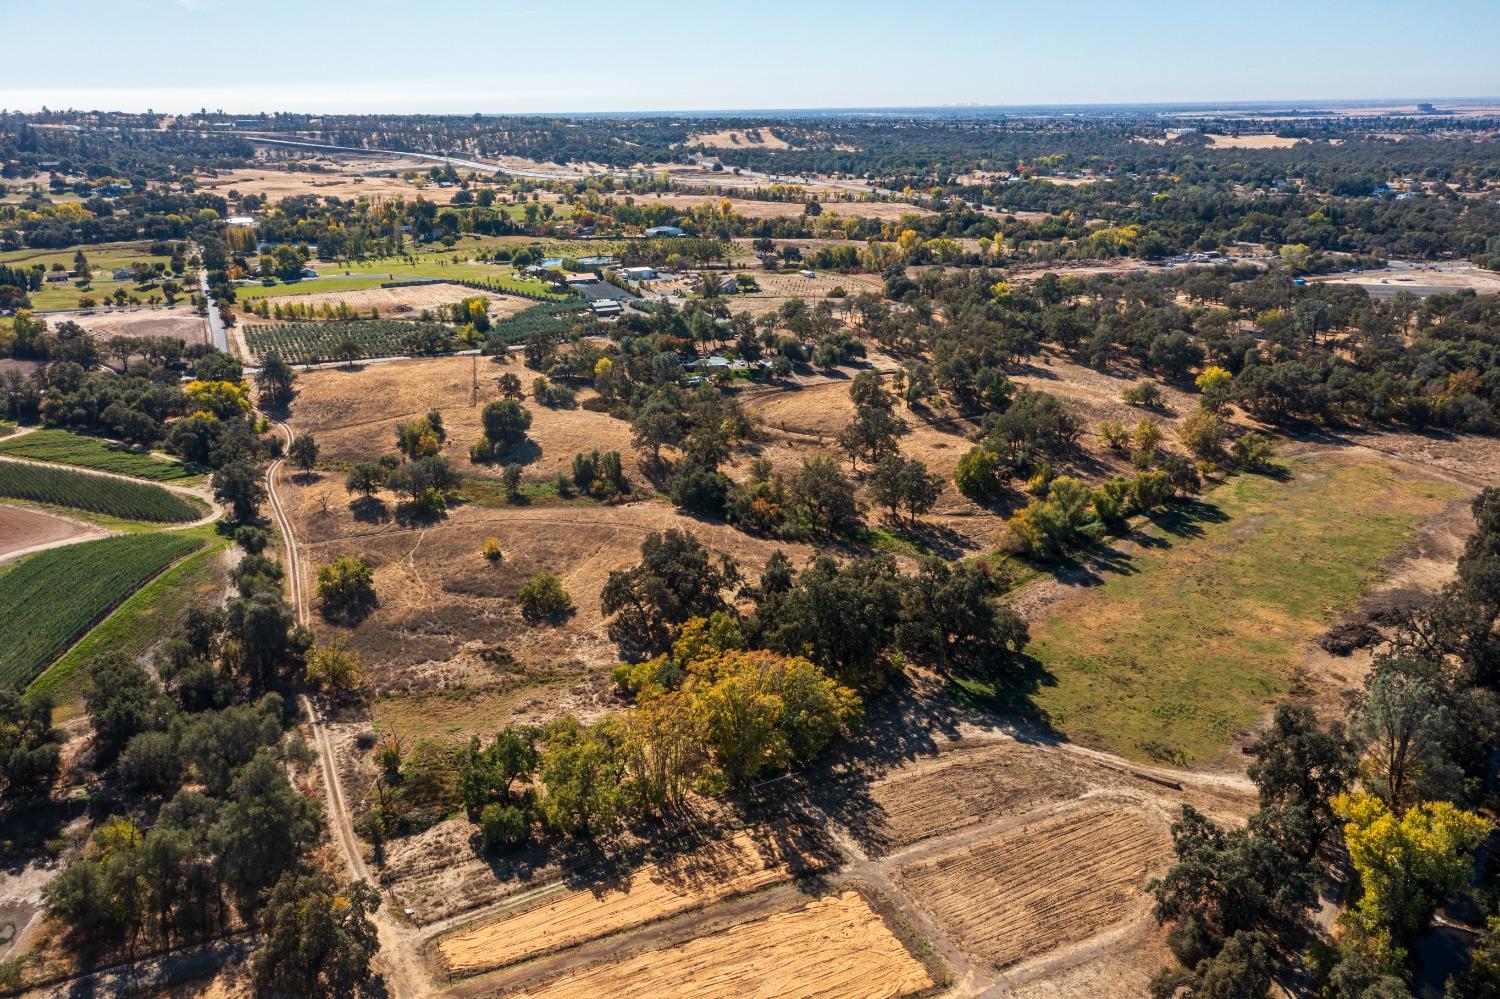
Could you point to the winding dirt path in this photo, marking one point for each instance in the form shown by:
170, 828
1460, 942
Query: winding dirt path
404, 978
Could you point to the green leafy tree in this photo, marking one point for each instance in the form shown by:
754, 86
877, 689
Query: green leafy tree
318, 937
675, 580
949, 616
276, 382
239, 484
824, 497
542, 597
347, 588
486, 774
122, 698
1408, 862
303, 452
29, 745
978, 475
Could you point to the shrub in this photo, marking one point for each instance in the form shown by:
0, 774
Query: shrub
503, 825
1253, 450
542, 596
492, 550
347, 587
978, 475
1143, 393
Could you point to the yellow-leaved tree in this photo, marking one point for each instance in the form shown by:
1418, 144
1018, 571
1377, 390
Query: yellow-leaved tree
1408, 862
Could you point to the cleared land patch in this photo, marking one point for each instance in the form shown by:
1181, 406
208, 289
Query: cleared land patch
1035, 889
354, 413
738, 138
94, 493
972, 785
748, 862
22, 529
58, 595
66, 448
833, 948
1260, 141
179, 322
1203, 629
399, 301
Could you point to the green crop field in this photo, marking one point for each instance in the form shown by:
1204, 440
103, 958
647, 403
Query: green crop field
67, 448
54, 597
1194, 642
555, 318
306, 343
139, 623
94, 493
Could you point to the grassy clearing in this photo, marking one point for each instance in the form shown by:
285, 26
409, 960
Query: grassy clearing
358, 275
95, 493
103, 259
60, 594
67, 448
1194, 635
450, 715
151, 613
490, 493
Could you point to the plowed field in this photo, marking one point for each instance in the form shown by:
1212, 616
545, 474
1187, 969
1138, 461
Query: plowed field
746, 863
833, 948
971, 785
1049, 884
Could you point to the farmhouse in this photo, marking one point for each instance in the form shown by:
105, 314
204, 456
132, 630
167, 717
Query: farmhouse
669, 231
123, 273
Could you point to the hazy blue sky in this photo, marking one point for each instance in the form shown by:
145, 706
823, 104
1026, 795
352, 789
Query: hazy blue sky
544, 55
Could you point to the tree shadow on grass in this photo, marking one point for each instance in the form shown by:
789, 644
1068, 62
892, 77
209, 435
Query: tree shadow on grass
1011, 692
370, 510
1185, 519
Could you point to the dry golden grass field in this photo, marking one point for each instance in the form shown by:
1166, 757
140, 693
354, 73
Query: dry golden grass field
831, 948
406, 302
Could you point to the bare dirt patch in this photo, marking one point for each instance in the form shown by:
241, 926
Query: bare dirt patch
23, 530
1434, 277
973, 784
342, 183
753, 208
178, 322
449, 615
776, 288
404, 302
1261, 141
1050, 884
832, 948
750, 861
733, 138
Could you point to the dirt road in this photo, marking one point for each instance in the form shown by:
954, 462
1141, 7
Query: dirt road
403, 975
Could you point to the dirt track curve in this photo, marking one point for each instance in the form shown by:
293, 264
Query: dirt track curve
403, 978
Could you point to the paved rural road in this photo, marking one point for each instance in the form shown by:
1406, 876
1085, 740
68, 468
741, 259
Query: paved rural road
218, 335
404, 979
559, 174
